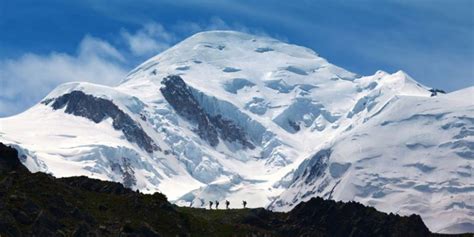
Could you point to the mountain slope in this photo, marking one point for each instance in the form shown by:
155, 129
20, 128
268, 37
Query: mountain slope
227, 115
415, 157
38, 204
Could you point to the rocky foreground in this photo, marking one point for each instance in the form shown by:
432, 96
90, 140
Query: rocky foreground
37, 204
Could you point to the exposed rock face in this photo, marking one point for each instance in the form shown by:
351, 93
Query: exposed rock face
310, 171
97, 109
178, 95
128, 175
126, 170
209, 127
314, 167
9, 159
296, 127
229, 131
434, 91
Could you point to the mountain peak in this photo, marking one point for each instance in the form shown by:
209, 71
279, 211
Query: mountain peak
222, 35
229, 115
225, 48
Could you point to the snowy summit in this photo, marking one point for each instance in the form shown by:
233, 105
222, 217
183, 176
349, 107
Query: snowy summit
227, 115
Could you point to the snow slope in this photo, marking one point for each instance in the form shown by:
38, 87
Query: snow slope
416, 156
250, 118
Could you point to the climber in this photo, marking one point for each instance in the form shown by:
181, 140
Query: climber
210, 204
227, 203
217, 204
244, 203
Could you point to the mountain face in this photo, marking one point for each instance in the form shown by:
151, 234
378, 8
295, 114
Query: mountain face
226, 115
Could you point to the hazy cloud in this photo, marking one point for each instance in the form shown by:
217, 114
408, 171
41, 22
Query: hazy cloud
186, 28
149, 40
26, 80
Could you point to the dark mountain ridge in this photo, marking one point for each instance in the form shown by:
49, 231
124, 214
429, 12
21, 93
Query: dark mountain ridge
37, 204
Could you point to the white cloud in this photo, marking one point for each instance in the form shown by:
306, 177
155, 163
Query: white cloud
91, 47
215, 23
26, 80
149, 40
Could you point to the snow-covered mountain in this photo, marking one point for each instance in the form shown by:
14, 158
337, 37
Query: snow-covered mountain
227, 115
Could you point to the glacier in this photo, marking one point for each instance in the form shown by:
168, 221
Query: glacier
229, 115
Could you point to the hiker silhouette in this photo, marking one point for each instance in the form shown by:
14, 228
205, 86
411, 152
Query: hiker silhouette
244, 203
217, 204
227, 203
210, 204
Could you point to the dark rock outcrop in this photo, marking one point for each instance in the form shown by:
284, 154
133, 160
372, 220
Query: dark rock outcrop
97, 109
178, 95
209, 127
327, 217
434, 91
296, 127
9, 159
313, 168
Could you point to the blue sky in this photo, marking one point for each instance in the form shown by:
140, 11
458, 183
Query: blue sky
45, 43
